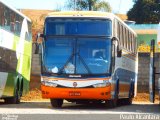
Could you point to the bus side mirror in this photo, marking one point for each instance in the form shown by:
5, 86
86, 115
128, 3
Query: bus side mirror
115, 39
119, 51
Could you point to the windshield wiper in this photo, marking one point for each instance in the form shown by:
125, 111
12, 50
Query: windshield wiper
69, 59
85, 65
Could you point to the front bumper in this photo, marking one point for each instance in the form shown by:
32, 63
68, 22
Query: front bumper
76, 93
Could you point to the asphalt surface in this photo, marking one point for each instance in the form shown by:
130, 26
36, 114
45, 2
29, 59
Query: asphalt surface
71, 111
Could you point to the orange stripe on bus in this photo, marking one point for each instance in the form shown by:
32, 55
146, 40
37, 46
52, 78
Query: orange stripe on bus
84, 93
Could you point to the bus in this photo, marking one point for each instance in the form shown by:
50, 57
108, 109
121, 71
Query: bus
15, 53
87, 56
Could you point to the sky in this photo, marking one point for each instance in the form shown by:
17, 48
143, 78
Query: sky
118, 6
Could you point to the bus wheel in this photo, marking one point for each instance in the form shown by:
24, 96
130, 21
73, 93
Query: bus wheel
56, 103
111, 103
21, 89
13, 100
129, 101
126, 101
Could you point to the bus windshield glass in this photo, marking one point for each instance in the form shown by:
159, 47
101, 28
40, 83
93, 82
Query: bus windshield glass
78, 27
77, 55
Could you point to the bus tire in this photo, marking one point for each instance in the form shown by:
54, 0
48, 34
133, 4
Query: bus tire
13, 100
129, 101
21, 88
56, 103
126, 101
17, 97
113, 102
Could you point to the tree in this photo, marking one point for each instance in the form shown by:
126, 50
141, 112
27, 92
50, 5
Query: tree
96, 5
145, 11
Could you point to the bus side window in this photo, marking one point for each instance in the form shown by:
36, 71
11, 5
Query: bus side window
129, 41
2, 17
29, 31
135, 49
7, 19
127, 44
123, 32
17, 25
118, 31
132, 43
1, 14
12, 23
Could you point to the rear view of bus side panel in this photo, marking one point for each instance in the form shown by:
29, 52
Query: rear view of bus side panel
126, 74
11, 56
125, 66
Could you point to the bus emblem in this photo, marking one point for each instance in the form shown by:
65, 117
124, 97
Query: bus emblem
75, 84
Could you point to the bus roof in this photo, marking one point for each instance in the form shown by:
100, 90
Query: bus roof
15, 10
80, 13
97, 14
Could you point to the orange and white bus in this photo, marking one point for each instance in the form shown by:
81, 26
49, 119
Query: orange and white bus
87, 57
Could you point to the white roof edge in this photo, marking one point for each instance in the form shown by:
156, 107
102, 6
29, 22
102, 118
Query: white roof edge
105, 17
15, 10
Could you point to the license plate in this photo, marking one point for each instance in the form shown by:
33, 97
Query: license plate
74, 94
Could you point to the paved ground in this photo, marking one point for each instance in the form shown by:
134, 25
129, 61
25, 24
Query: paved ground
43, 110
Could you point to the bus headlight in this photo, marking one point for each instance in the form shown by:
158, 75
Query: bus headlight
105, 83
50, 84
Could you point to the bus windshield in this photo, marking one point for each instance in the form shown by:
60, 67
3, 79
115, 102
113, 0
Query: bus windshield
77, 55
78, 27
